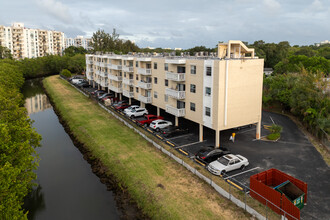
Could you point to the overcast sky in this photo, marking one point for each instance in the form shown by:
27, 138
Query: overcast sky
178, 23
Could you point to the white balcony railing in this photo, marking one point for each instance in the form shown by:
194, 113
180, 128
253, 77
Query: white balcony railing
176, 76
97, 63
98, 72
144, 85
115, 78
175, 60
178, 112
115, 67
98, 80
129, 82
89, 76
115, 89
89, 61
128, 94
145, 99
144, 59
175, 94
89, 70
103, 74
103, 64
144, 71
104, 83
128, 69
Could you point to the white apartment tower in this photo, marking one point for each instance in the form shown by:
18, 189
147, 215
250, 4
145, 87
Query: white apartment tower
30, 43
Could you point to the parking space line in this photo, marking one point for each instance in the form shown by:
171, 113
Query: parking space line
241, 132
200, 163
160, 137
190, 144
179, 136
150, 130
170, 143
241, 173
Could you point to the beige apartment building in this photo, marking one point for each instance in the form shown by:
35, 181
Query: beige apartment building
219, 92
30, 43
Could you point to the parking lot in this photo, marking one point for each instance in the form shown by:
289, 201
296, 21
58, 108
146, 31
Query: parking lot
292, 154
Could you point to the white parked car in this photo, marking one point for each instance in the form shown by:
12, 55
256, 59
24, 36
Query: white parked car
137, 112
131, 108
158, 124
76, 81
227, 163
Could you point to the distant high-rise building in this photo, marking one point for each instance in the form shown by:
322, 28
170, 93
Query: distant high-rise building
322, 43
30, 43
78, 41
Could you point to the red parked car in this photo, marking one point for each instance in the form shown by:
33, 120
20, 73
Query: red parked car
147, 119
122, 106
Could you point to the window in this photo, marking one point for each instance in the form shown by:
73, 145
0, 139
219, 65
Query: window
155, 95
137, 89
208, 71
192, 88
137, 77
155, 80
166, 66
207, 91
193, 69
137, 64
166, 82
192, 106
155, 65
207, 111
166, 98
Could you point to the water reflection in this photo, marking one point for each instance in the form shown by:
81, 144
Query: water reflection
37, 103
34, 202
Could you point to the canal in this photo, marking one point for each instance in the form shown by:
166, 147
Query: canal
67, 188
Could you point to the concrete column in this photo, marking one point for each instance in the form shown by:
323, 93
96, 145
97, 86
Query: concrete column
142, 104
129, 101
217, 139
108, 90
98, 86
158, 111
258, 130
200, 132
120, 97
93, 84
176, 121
115, 95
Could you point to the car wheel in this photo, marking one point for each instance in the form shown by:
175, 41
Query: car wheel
157, 129
131, 117
145, 125
242, 167
223, 173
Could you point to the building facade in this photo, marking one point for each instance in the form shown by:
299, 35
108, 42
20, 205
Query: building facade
79, 41
219, 93
30, 43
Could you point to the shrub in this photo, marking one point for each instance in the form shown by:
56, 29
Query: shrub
66, 73
275, 129
274, 136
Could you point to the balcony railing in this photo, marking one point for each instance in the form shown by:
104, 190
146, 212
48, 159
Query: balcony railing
98, 80
104, 83
144, 71
97, 72
89, 76
103, 64
89, 70
89, 61
115, 78
175, 60
145, 99
114, 67
129, 82
144, 59
128, 68
144, 85
176, 76
103, 74
97, 63
115, 89
178, 112
128, 94
175, 94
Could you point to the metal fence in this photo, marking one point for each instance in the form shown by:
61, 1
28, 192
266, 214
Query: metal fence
247, 199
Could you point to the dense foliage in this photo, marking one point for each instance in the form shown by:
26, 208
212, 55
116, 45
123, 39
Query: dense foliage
66, 73
72, 50
305, 94
17, 144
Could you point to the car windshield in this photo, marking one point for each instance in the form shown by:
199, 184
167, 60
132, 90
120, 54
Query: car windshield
223, 161
133, 110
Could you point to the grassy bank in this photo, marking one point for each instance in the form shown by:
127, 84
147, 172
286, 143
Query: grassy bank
162, 188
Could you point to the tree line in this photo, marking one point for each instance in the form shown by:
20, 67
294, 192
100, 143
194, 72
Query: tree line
18, 141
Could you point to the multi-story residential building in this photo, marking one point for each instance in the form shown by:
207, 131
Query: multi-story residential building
78, 41
219, 93
29, 43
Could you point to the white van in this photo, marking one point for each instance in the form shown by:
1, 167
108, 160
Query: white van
76, 81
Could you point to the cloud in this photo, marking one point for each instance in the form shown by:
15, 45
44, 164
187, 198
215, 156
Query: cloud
56, 8
272, 5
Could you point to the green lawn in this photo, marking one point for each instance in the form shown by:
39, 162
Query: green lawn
137, 164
